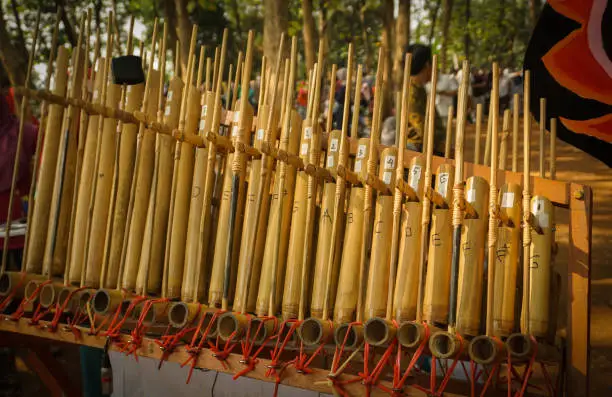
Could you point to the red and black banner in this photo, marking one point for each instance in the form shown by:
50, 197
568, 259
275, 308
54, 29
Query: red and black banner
570, 58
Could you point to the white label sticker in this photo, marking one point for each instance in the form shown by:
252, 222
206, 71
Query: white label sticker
202, 123
330, 161
204, 111
260, 134
304, 149
167, 112
235, 130
170, 95
387, 177
333, 146
415, 177
443, 183
358, 166
361, 151
95, 95
307, 132
390, 162
507, 199
543, 219
471, 195
236, 117
129, 89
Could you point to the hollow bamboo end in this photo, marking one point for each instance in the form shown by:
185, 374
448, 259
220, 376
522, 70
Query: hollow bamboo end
180, 314
520, 346
106, 301
157, 313
314, 331
83, 298
378, 331
260, 329
354, 338
30, 287
48, 294
486, 350
63, 295
10, 281
229, 324
411, 334
444, 345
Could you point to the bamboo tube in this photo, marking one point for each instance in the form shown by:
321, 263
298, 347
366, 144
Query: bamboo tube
44, 186
77, 253
234, 97
180, 185
378, 274
190, 280
490, 128
141, 187
56, 246
332, 211
347, 293
298, 234
189, 291
507, 259
515, 130
126, 166
207, 226
542, 134
449, 132
44, 107
368, 194
275, 252
471, 258
526, 201
542, 211
492, 235
477, 136
427, 182
103, 179
82, 131
256, 211
503, 146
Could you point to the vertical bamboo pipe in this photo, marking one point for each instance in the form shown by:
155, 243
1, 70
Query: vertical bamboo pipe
526, 201
492, 237
183, 168
275, 253
515, 130
542, 134
56, 246
249, 267
103, 178
297, 236
44, 186
77, 249
44, 107
503, 146
141, 187
125, 168
449, 132
490, 128
553, 148
426, 201
477, 136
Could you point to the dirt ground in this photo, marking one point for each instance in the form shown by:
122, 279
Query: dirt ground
574, 165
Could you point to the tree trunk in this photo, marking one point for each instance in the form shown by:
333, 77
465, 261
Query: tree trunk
183, 32
364, 37
323, 24
170, 14
67, 24
310, 34
534, 11
446, 20
14, 62
276, 17
402, 38
22, 42
387, 43
466, 35
434, 19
